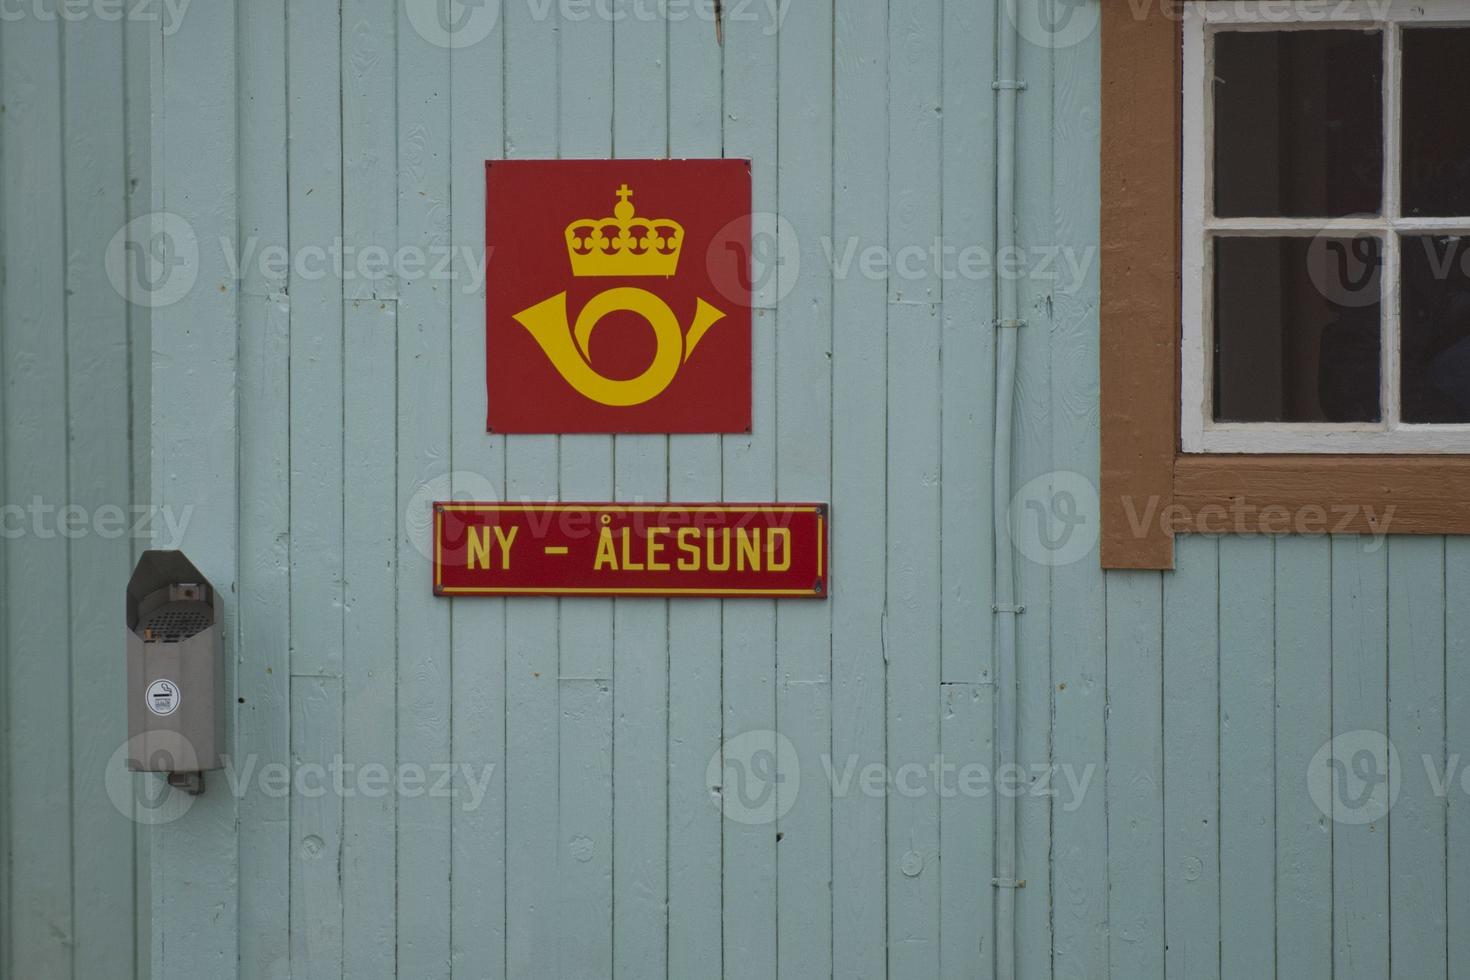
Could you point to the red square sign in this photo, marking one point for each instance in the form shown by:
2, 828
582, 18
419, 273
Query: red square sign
618, 295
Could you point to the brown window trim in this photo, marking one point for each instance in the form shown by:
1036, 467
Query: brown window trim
1150, 490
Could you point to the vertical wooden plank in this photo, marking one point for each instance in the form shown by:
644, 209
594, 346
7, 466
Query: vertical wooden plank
370, 474
1135, 775
265, 520
967, 744
369, 728
695, 130
477, 834
859, 504
7, 887
1247, 756
41, 928
912, 625
1457, 747
1191, 760
1359, 705
314, 152
98, 458
195, 860
1416, 729
1078, 616
803, 472
141, 43
424, 377
532, 710
640, 626
749, 626
1032, 437
1303, 725
585, 842
316, 825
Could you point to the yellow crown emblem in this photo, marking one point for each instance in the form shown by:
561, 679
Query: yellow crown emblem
623, 245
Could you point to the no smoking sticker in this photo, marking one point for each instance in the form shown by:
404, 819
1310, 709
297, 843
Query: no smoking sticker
162, 697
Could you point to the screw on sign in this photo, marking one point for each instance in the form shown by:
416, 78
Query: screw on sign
620, 322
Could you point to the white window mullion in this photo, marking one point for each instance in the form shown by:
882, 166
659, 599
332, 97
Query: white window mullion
1392, 209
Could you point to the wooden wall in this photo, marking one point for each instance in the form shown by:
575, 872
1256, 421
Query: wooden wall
74, 168
309, 419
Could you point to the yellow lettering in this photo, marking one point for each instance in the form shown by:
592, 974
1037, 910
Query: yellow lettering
750, 549
506, 540
782, 534
479, 547
629, 565
689, 547
655, 547
605, 555
722, 564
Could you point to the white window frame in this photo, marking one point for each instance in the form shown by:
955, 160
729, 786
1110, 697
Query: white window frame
1203, 19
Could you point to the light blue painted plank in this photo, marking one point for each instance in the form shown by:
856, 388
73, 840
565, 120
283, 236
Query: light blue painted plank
7, 889
98, 463
314, 152
967, 825
1033, 458
695, 951
425, 671
1416, 728
369, 147
370, 560
265, 522
194, 860
1457, 746
803, 472
859, 508
316, 827
640, 626
1079, 616
264, 663
585, 840
41, 930
369, 724
1359, 705
140, 44
749, 466
1191, 760
1135, 775
912, 624
967, 815
1303, 724
532, 711
967, 196
478, 839
1247, 756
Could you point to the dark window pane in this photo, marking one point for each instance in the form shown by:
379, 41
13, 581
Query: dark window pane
1436, 122
1436, 329
1298, 123
1297, 329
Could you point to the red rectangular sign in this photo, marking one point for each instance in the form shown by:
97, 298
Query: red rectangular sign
618, 295
717, 550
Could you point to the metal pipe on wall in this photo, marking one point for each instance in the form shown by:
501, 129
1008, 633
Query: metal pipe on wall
1008, 323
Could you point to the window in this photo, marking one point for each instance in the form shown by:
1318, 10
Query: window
1326, 228
1300, 213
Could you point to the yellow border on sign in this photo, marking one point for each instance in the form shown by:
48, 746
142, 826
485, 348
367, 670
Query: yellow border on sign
441, 589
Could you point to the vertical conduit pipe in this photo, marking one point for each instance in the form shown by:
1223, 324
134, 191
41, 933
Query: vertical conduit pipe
1007, 326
